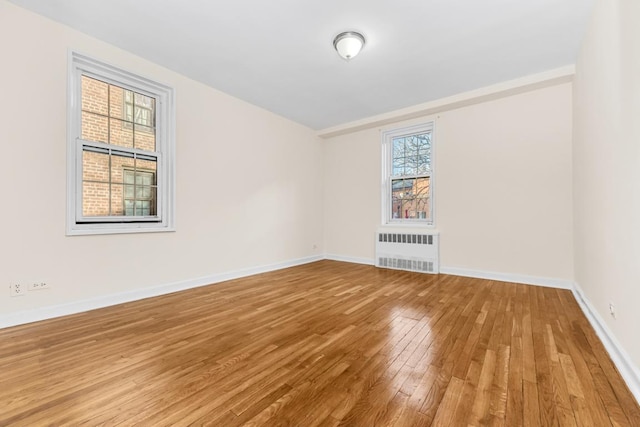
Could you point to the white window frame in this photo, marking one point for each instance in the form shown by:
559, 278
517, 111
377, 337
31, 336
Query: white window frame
387, 170
164, 95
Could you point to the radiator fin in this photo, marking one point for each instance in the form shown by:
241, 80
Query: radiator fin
407, 251
406, 264
420, 239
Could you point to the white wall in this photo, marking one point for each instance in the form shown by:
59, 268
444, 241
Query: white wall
503, 200
249, 187
607, 169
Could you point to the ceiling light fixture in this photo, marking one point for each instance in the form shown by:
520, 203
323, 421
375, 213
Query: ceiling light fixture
348, 44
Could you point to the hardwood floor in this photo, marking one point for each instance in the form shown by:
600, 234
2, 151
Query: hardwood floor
326, 344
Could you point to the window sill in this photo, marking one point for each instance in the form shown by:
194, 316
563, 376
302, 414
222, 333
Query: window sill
96, 229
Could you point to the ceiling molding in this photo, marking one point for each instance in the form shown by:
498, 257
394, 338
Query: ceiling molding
488, 93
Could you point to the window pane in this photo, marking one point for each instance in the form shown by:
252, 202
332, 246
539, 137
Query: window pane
411, 147
147, 168
144, 137
95, 127
423, 208
121, 133
95, 199
422, 187
119, 163
398, 148
424, 152
117, 102
144, 110
398, 166
117, 200
410, 167
95, 166
95, 96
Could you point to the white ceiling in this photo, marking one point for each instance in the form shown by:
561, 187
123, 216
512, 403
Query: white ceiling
279, 55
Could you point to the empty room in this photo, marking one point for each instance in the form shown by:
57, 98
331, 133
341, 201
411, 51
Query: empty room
295, 213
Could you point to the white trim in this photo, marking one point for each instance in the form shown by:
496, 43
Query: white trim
489, 93
548, 282
353, 260
50, 312
628, 370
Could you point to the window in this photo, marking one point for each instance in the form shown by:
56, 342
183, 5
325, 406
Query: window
120, 151
408, 175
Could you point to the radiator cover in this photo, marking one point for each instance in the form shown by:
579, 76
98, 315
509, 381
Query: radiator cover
412, 251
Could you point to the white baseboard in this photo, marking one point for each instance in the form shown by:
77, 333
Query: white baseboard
507, 277
479, 274
355, 260
44, 313
629, 371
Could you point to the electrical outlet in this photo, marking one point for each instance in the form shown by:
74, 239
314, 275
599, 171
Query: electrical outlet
36, 286
612, 310
16, 290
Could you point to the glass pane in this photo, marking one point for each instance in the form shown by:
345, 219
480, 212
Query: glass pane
423, 208
120, 162
144, 110
423, 164
411, 146
398, 166
95, 127
95, 96
422, 187
95, 199
398, 148
95, 166
144, 138
117, 200
424, 152
117, 103
121, 133
409, 208
147, 168
410, 166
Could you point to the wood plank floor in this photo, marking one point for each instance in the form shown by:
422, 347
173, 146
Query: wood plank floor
323, 344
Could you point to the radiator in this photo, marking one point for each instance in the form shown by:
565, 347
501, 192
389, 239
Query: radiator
412, 251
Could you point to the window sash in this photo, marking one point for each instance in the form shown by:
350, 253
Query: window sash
99, 147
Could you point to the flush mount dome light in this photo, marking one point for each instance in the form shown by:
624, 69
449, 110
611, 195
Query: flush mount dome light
348, 44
